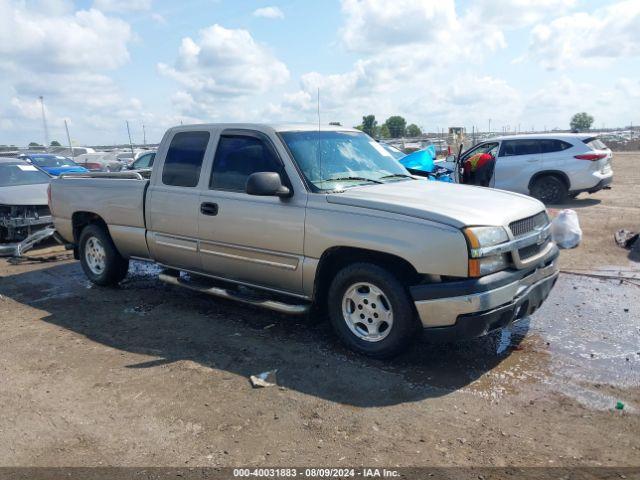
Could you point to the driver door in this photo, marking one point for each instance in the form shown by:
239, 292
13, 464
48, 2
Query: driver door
251, 239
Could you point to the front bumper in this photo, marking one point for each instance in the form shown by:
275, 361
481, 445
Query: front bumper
472, 308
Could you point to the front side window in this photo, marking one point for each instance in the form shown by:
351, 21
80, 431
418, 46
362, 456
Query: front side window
512, 148
239, 156
184, 159
145, 161
337, 160
489, 147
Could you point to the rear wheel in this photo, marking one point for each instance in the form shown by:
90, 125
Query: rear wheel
101, 262
370, 310
549, 189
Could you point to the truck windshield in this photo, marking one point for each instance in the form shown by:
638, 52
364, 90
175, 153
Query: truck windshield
12, 174
337, 160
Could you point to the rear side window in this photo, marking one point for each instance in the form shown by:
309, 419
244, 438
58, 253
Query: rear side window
512, 148
238, 157
594, 143
184, 159
551, 145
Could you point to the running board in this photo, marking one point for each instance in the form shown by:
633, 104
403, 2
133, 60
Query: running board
287, 308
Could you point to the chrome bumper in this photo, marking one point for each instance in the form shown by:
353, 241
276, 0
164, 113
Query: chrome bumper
17, 249
445, 311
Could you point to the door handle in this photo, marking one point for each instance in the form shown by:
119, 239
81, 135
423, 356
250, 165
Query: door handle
208, 208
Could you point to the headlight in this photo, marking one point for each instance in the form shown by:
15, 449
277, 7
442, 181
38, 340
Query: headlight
480, 238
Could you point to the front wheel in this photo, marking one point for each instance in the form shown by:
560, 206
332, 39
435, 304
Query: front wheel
100, 260
370, 310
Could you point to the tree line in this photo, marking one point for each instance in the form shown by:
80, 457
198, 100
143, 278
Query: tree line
393, 127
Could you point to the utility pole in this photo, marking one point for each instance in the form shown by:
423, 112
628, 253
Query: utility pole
144, 135
66, 127
130, 143
489, 126
44, 123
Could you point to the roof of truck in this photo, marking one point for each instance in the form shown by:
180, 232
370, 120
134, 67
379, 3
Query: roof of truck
277, 127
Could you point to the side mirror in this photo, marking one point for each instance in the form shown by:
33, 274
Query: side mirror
266, 184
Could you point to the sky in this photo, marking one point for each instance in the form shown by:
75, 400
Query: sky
527, 64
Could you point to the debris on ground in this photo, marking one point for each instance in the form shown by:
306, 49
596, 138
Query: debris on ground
264, 379
565, 229
626, 239
619, 406
630, 241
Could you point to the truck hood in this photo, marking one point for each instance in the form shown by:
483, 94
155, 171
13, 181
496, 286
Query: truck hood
24, 194
451, 204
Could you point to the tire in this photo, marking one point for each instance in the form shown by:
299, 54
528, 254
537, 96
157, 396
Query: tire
101, 262
549, 189
371, 337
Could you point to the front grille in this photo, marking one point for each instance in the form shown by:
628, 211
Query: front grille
43, 210
529, 224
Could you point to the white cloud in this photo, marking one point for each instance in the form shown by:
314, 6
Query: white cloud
510, 14
62, 54
121, 6
374, 24
69, 41
588, 39
223, 64
269, 12
158, 18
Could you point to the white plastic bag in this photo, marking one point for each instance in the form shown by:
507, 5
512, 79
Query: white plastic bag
565, 229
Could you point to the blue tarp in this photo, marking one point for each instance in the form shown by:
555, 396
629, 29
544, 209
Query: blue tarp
421, 160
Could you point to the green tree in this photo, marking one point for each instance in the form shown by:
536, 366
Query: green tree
413, 130
369, 125
581, 121
396, 125
55, 143
34, 144
383, 131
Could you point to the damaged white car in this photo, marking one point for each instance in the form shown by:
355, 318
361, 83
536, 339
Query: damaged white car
25, 218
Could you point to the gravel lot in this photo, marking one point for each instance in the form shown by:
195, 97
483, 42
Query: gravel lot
148, 374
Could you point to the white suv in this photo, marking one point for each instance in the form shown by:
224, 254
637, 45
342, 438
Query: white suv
549, 167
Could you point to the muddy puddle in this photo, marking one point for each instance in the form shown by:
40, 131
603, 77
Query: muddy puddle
583, 343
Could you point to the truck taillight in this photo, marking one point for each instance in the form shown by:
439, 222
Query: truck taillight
592, 157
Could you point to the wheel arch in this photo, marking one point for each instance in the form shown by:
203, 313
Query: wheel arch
81, 219
336, 258
552, 173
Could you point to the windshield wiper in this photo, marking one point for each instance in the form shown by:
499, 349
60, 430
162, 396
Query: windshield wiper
398, 175
362, 179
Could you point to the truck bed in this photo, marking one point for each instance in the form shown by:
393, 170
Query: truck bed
117, 198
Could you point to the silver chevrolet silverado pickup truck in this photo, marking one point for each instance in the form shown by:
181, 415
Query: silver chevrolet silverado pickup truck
290, 217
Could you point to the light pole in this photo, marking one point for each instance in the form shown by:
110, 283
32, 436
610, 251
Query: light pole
44, 123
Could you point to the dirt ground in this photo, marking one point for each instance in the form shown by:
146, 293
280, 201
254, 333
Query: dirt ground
151, 375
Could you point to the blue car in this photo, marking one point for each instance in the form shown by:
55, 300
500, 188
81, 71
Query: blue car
54, 164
